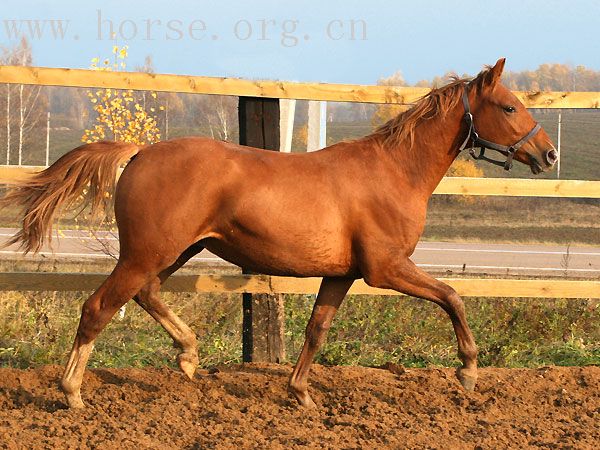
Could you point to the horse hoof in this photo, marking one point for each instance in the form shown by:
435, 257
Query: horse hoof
467, 377
188, 364
303, 398
306, 402
75, 402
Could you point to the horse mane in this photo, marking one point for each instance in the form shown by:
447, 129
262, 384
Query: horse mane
435, 103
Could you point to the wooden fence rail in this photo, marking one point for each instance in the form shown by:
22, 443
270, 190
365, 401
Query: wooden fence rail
514, 187
264, 284
47, 76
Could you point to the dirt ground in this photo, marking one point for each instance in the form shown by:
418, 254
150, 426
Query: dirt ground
248, 407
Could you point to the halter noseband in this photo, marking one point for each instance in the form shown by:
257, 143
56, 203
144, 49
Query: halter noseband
476, 141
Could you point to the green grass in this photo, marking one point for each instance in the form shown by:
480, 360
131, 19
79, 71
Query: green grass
38, 328
412, 332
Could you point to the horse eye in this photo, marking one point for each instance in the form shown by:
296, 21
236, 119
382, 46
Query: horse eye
509, 109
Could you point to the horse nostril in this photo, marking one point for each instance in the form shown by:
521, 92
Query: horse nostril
551, 156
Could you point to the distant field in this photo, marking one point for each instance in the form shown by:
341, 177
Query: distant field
513, 219
580, 143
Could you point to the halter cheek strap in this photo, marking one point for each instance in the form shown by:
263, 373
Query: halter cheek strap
483, 144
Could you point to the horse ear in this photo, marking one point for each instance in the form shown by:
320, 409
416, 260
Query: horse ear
494, 74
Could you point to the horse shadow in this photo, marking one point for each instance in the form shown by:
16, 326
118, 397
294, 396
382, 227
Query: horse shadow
21, 397
108, 377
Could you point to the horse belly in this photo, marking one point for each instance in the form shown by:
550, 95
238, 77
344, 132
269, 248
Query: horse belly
315, 257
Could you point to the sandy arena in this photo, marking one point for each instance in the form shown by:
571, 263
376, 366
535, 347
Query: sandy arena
248, 407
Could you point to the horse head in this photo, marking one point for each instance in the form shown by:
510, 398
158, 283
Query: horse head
498, 121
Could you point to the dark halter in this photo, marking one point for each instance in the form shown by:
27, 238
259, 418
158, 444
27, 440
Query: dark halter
476, 141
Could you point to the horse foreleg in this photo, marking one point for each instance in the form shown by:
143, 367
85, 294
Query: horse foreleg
183, 337
331, 294
96, 312
407, 278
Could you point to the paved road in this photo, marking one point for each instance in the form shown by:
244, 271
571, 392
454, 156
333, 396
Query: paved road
451, 258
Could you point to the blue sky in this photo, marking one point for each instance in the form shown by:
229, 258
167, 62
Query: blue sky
312, 40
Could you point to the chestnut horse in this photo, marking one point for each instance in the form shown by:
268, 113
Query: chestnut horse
352, 210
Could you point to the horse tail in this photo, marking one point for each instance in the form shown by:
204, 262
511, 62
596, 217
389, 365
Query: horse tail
84, 176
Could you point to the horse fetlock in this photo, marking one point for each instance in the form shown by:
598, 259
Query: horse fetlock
467, 377
188, 363
467, 353
67, 386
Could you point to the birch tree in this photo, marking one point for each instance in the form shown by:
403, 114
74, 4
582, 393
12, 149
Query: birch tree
24, 105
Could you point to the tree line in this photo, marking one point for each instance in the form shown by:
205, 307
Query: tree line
24, 109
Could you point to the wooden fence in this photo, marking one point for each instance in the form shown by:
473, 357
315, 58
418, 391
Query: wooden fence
265, 284
257, 88
260, 284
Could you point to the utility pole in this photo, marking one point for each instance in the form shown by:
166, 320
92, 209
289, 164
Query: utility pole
558, 143
48, 140
21, 123
7, 124
167, 119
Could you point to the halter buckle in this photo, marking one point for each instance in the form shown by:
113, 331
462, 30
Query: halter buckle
509, 157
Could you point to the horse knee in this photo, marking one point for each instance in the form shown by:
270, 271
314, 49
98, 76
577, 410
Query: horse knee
148, 298
91, 319
316, 331
454, 300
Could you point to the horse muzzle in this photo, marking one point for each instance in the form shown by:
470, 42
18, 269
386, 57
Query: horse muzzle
549, 158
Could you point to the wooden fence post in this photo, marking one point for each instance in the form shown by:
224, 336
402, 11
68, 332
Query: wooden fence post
287, 114
263, 315
317, 126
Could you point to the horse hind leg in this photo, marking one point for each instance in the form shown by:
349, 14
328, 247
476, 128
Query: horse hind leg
120, 286
183, 337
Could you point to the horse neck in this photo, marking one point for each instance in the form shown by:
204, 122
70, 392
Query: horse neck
436, 143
